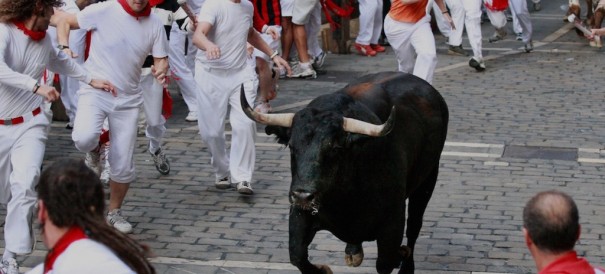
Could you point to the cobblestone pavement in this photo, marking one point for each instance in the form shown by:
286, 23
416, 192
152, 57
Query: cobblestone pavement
530, 122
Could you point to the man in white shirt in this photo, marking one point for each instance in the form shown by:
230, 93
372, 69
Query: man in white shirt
118, 50
25, 116
221, 71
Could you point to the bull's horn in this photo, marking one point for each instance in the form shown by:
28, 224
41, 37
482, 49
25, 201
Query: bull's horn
282, 119
361, 127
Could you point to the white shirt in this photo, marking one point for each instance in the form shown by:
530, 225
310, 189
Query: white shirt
231, 23
120, 43
86, 256
22, 63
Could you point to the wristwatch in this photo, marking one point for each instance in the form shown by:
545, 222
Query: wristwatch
62, 47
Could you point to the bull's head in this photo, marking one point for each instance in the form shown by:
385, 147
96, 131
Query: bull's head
318, 140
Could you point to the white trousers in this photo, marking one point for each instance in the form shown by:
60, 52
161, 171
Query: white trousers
466, 13
221, 90
153, 93
312, 28
496, 18
519, 11
370, 21
444, 26
181, 56
21, 153
414, 46
94, 106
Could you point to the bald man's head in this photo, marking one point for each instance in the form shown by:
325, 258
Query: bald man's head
552, 221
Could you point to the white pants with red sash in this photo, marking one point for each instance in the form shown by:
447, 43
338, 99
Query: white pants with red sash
22, 149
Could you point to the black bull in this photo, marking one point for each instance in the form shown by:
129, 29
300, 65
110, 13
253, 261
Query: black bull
355, 185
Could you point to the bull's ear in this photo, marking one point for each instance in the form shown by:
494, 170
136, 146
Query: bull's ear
281, 133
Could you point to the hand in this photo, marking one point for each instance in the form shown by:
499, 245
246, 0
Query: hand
213, 52
249, 49
159, 74
104, 85
448, 18
282, 64
271, 30
70, 53
49, 93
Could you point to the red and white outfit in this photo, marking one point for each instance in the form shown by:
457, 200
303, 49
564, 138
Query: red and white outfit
24, 123
118, 50
77, 43
370, 21
220, 81
74, 253
409, 32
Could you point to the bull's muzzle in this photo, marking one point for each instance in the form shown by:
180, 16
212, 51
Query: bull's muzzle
304, 200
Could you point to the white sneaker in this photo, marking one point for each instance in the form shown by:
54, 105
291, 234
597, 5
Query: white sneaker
303, 70
115, 219
105, 175
245, 188
318, 61
223, 183
191, 117
9, 266
93, 161
160, 161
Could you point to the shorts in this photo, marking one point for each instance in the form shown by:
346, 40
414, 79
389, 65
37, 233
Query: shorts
287, 6
302, 11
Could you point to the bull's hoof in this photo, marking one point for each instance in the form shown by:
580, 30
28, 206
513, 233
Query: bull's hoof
324, 268
354, 260
405, 251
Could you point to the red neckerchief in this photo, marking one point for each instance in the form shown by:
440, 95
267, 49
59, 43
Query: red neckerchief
34, 35
73, 234
569, 263
145, 12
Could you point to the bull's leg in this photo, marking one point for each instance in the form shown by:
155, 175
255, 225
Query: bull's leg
302, 231
354, 254
417, 204
388, 244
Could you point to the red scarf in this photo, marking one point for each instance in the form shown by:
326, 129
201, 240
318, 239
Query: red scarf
34, 35
73, 234
145, 12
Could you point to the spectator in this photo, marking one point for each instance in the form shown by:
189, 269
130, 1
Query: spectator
408, 29
25, 114
223, 29
118, 50
71, 206
551, 229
